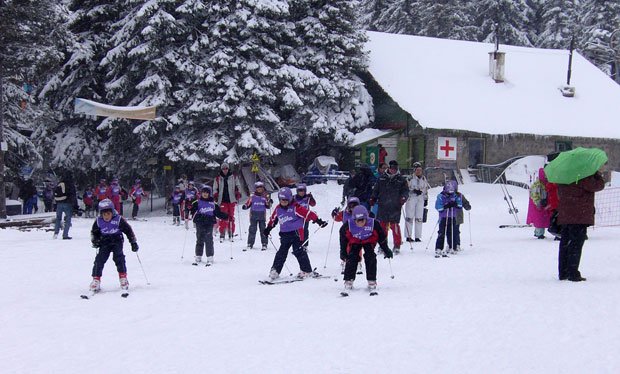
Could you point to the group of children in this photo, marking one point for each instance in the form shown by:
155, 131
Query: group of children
116, 194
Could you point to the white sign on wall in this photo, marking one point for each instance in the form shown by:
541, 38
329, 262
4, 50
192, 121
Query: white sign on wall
446, 148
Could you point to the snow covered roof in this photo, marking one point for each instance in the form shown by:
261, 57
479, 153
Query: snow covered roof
445, 84
368, 135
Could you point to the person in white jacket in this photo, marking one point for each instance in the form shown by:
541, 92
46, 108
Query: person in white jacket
414, 208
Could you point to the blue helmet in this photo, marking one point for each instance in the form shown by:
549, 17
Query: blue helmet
360, 212
206, 188
259, 184
106, 204
301, 187
450, 186
285, 194
353, 201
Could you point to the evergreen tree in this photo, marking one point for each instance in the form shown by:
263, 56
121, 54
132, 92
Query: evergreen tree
72, 141
401, 17
559, 19
510, 16
600, 19
448, 19
29, 35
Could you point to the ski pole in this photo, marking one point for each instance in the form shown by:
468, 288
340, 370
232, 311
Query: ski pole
276, 248
391, 272
239, 219
432, 233
306, 241
329, 243
184, 241
231, 238
469, 217
142, 267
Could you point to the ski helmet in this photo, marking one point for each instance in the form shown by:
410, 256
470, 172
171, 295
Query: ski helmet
352, 202
416, 165
450, 186
285, 194
137, 181
106, 204
206, 188
259, 184
115, 180
190, 183
301, 187
360, 212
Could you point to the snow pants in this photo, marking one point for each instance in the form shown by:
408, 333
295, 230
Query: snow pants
414, 212
571, 244
227, 224
353, 258
448, 229
257, 219
134, 210
395, 226
116, 249
204, 239
176, 210
288, 239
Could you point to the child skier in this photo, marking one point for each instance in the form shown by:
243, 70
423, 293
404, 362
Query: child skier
258, 204
291, 217
191, 194
136, 195
175, 199
447, 204
344, 216
204, 210
114, 194
89, 203
107, 235
306, 200
363, 233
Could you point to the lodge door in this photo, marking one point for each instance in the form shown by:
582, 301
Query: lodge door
476, 148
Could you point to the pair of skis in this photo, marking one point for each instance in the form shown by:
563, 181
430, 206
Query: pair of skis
286, 280
124, 294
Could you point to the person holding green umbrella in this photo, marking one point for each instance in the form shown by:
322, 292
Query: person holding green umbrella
577, 173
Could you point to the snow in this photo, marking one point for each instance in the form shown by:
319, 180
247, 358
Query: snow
366, 135
426, 76
496, 307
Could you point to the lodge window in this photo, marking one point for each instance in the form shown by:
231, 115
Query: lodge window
561, 146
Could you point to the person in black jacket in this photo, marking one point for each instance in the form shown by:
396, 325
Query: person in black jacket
66, 200
361, 184
390, 193
205, 210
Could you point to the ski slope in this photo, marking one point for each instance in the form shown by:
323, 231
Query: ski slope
496, 307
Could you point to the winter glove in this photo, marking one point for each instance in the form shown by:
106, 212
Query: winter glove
267, 230
387, 252
343, 201
134, 247
320, 222
450, 204
417, 192
403, 200
335, 212
244, 207
96, 243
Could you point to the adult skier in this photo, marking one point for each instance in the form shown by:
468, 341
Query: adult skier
227, 191
106, 235
291, 217
418, 199
390, 193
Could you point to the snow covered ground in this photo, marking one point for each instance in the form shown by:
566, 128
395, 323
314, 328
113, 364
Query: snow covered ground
496, 307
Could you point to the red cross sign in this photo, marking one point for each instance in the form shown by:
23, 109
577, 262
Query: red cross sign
446, 148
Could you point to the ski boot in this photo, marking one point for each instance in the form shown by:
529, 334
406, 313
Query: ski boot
122, 278
197, 260
273, 274
209, 261
264, 247
95, 285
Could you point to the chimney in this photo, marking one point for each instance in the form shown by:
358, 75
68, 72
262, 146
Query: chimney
497, 62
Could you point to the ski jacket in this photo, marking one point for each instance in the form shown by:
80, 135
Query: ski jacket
176, 197
88, 198
576, 205
291, 218
460, 219
361, 185
205, 211
444, 199
111, 232
65, 193
258, 202
390, 192
540, 215
374, 234
190, 195
102, 192
136, 194
232, 192
418, 187
306, 201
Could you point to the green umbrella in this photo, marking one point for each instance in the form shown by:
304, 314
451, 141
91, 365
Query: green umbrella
571, 166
